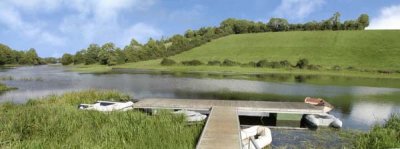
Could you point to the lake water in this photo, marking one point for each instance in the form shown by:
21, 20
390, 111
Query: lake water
357, 101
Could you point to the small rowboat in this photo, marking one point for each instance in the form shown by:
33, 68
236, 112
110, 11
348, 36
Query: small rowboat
324, 120
319, 102
192, 116
255, 137
107, 106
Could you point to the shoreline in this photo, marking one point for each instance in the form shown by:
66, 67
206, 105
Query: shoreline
228, 70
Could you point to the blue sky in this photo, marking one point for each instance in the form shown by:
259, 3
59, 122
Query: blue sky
54, 27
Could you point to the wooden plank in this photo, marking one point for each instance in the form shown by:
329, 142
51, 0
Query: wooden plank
222, 130
242, 106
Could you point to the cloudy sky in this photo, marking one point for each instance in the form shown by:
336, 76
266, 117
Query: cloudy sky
54, 27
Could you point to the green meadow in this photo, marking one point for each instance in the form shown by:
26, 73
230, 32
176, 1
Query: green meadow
357, 53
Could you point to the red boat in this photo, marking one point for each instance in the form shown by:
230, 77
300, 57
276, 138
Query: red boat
319, 102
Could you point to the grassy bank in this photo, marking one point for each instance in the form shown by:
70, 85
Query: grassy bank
55, 122
4, 88
95, 68
359, 49
381, 136
370, 54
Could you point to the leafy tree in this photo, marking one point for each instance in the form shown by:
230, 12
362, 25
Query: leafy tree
336, 21
92, 54
131, 51
67, 59
105, 53
116, 57
50, 60
278, 24
79, 57
6, 55
30, 57
350, 25
363, 21
302, 63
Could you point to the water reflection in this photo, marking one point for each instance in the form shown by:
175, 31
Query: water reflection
144, 84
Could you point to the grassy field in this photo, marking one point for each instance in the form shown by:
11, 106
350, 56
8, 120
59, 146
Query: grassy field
55, 122
360, 49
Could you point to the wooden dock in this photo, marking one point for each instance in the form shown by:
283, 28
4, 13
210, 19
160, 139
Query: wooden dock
243, 107
222, 129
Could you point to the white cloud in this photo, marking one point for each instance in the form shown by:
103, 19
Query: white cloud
98, 21
297, 9
389, 18
11, 18
141, 32
76, 21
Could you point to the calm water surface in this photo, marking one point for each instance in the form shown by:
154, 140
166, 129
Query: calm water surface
353, 106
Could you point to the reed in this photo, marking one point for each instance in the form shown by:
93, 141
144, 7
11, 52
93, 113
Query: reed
55, 122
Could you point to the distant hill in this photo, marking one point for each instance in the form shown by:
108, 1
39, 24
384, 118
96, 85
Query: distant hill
378, 49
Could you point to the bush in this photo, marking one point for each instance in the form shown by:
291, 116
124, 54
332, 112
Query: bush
351, 68
386, 71
228, 62
276, 65
302, 63
67, 59
214, 63
250, 64
285, 63
263, 63
381, 136
167, 62
336, 67
313, 67
192, 63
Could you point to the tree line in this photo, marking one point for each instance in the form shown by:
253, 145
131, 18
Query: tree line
109, 54
29, 57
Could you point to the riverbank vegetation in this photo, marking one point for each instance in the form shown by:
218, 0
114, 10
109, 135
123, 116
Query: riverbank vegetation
109, 54
55, 122
9, 56
382, 136
4, 87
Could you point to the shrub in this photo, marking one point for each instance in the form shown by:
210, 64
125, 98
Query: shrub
276, 65
67, 59
228, 62
336, 67
250, 64
381, 136
385, 71
214, 63
302, 63
351, 68
167, 62
313, 67
192, 63
263, 63
285, 63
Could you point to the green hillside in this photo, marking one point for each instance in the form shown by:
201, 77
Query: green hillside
360, 49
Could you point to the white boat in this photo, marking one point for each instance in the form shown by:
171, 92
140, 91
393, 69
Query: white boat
192, 116
255, 137
324, 120
106, 106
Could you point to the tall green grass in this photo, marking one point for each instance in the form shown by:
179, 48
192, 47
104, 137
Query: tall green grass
4, 87
381, 136
55, 122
